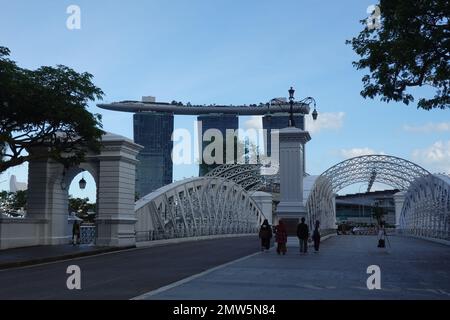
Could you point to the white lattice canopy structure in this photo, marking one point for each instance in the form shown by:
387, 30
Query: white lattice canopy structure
393, 171
196, 207
426, 209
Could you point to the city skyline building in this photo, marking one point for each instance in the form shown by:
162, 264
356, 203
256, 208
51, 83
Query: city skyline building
153, 125
155, 168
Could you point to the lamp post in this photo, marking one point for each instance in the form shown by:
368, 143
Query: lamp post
82, 182
291, 108
307, 100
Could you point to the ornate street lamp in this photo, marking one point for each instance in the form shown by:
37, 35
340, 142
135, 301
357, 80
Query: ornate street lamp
315, 114
291, 108
82, 183
307, 100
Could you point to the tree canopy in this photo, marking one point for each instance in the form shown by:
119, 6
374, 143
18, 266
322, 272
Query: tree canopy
409, 49
12, 202
44, 114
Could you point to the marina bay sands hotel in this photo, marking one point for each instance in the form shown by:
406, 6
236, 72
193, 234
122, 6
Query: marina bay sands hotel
153, 127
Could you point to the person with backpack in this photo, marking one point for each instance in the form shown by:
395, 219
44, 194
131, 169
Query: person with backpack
316, 236
303, 235
265, 234
281, 238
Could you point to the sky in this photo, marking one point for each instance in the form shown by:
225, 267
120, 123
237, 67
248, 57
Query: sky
227, 52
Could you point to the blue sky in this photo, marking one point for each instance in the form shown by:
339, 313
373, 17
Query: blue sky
228, 52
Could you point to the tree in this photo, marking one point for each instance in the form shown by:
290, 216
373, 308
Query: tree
43, 114
12, 201
19, 199
81, 206
409, 49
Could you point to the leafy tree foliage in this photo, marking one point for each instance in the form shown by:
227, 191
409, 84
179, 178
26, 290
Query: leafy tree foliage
81, 206
43, 114
13, 201
409, 49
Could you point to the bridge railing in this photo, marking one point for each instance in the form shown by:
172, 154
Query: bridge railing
320, 204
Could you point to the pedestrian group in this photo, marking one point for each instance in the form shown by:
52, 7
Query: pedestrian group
266, 233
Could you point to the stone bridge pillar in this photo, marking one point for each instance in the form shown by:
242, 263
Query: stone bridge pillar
291, 207
116, 192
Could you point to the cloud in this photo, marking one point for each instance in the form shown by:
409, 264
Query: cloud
357, 152
325, 121
435, 158
254, 122
429, 127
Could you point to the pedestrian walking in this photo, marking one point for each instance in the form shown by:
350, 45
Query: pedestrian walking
381, 235
303, 235
265, 234
316, 236
76, 233
281, 238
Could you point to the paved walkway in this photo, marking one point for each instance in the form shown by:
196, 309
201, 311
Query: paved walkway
410, 269
18, 257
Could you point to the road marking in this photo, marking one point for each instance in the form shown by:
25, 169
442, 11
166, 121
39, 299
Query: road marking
69, 259
188, 279
118, 251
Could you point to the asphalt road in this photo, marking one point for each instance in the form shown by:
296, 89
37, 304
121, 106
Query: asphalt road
126, 274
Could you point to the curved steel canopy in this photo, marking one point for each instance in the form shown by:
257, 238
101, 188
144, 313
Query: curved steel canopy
393, 171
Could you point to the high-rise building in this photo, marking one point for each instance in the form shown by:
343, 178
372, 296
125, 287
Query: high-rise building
279, 121
221, 122
153, 130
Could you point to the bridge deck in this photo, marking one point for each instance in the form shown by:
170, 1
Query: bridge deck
410, 269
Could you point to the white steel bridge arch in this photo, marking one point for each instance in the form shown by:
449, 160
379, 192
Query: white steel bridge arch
197, 207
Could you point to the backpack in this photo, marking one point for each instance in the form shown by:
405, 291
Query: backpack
381, 243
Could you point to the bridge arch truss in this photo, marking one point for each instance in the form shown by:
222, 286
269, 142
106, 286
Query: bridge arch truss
197, 207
